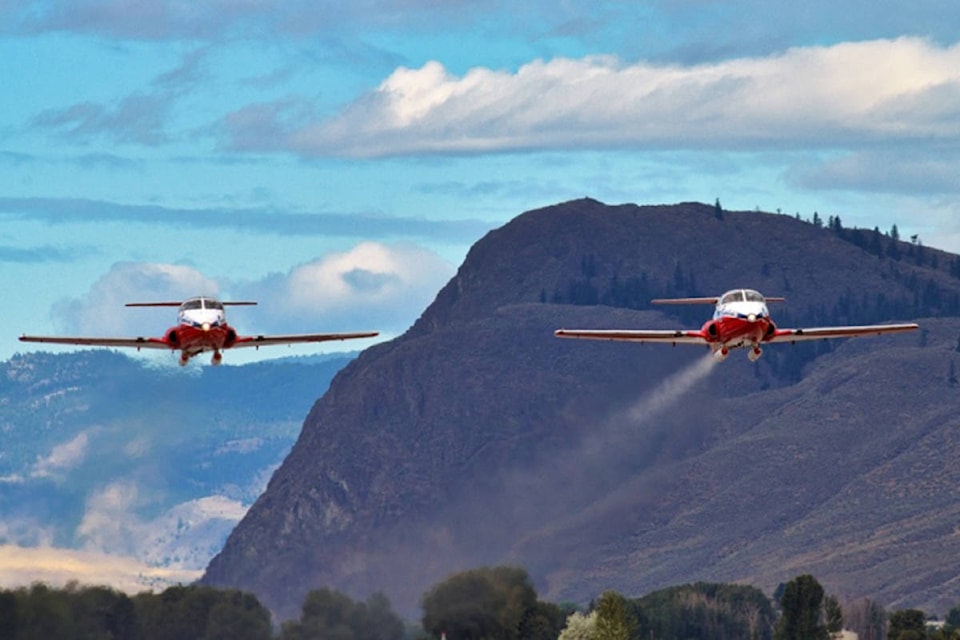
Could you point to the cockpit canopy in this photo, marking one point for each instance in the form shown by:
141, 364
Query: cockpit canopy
741, 295
201, 302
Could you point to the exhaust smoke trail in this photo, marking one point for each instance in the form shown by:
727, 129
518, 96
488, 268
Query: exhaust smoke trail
618, 433
669, 392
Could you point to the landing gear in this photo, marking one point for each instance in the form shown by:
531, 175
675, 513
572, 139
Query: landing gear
216, 359
721, 354
184, 359
755, 354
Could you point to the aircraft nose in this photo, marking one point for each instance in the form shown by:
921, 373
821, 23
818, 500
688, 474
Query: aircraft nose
205, 326
752, 317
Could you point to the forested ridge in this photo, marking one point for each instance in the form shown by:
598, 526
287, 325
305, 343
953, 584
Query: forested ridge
488, 603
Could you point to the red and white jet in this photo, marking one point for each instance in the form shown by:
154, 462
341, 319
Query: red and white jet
741, 320
201, 326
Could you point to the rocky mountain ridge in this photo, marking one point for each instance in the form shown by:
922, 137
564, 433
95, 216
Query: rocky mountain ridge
479, 438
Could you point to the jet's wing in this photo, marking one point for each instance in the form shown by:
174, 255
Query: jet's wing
631, 335
823, 333
263, 341
135, 343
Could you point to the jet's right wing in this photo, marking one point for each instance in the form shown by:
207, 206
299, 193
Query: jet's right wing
681, 336
135, 343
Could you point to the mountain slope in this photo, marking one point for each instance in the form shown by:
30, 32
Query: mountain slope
477, 437
105, 453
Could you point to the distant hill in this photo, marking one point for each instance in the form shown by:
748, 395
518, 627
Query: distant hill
478, 438
107, 453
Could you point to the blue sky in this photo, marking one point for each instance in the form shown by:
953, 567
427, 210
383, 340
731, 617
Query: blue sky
336, 160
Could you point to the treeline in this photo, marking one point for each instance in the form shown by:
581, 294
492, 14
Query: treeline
93, 612
498, 603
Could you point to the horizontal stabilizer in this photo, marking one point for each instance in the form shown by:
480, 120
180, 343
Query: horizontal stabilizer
177, 304
708, 300
705, 300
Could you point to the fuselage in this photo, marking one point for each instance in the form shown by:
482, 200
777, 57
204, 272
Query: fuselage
202, 326
741, 319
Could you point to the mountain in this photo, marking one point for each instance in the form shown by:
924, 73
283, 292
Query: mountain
110, 454
479, 438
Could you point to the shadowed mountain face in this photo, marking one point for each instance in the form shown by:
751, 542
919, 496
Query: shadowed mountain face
478, 438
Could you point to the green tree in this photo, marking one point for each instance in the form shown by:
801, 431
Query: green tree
238, 616
706, 610
44, 613
833, 613
382, 623
201, 612
8, 614
103, 612
800, 611
486, 603
953, 617
542, 621
615, 617
907, 624
331, 615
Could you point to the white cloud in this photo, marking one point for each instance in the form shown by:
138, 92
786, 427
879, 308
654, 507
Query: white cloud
372, 286
807, 97
25, 531
101, 312
63, 457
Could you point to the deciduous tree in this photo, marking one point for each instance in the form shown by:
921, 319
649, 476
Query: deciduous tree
800, 611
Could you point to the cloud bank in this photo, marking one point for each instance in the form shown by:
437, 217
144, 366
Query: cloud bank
21, 566
865, 93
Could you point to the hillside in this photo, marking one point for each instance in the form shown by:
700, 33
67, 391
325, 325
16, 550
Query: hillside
477, 437
105, 453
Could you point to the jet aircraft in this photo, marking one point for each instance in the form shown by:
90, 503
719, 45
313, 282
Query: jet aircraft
741, 320
201, 326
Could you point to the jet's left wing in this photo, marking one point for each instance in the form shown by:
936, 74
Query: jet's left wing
263, 341
135, 343
631, 335
822, 333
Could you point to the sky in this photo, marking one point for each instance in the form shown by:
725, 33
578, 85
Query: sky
335, 161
